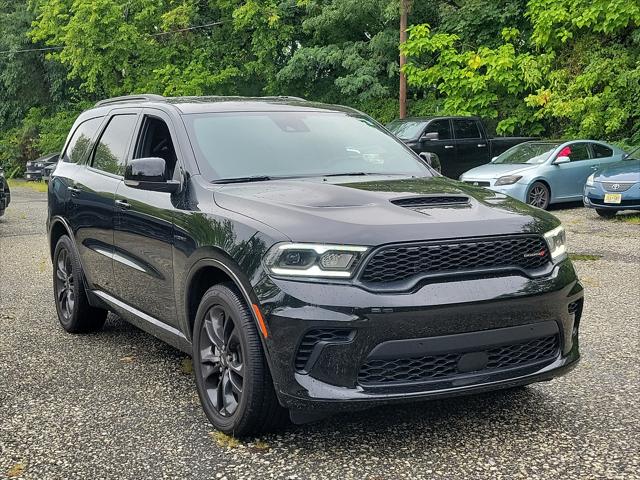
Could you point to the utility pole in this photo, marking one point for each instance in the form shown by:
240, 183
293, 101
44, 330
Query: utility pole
404, 13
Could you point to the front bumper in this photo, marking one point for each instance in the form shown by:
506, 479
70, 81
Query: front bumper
594, 198
516, 190
458, 319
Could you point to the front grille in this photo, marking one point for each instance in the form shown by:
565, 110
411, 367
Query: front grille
400, 262
413, 202
619, 187
478, 184
313, 337
445, 366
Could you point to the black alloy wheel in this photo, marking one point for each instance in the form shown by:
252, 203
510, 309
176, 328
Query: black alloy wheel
221, 360
539, 195
75, 313
232, 376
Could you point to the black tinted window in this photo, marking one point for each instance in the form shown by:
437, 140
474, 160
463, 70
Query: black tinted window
110, 152
441, 127
600, 151
466, 129
80, 142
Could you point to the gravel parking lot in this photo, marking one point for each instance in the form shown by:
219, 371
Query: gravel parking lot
120, 404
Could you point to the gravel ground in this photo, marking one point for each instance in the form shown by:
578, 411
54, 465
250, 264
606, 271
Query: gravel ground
120, 404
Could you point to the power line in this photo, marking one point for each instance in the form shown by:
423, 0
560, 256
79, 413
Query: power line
186, 29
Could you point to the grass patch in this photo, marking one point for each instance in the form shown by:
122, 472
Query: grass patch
584, 257
186, 366
37, 186
225, 440
632, 219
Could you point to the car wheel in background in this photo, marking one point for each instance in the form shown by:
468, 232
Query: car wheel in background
75, 313
605, 213
232, 376
539, 195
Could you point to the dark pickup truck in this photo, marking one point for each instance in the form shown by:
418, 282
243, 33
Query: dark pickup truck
461, 143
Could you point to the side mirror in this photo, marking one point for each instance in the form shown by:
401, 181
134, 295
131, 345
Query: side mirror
427, 137
561, 160
432, 160
149, 174
493, 159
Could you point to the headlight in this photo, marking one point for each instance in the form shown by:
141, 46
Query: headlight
508, 180
557, 242
590, 180
310, 260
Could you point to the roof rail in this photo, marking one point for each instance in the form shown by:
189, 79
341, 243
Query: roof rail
147, 97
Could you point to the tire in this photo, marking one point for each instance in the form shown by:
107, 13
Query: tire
606, 213
75, 313
539, 195
225, 343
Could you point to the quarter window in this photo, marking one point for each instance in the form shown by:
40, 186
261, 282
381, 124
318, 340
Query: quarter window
600, 151
466, 129
441, 127
80, 142
111, 151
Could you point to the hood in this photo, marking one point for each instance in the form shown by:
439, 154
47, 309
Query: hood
624, 171
495, 170
362, 213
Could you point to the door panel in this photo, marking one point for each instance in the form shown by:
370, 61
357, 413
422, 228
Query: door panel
471, 148
444, 147
143, 255
567, 180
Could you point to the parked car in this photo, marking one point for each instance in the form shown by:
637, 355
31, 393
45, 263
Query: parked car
461, 143
544, 172
615, 188
35, 168
5, 193
321, 266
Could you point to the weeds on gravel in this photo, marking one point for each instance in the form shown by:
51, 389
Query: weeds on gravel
15, 471
584, 256
632, 219
37, 186
225, 440
186, 366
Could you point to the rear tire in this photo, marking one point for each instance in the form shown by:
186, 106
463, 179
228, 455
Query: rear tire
539, 195
232, 376
605, 213
75, 313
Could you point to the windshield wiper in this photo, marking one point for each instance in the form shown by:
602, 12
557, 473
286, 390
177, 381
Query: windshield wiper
254, 178
628, 155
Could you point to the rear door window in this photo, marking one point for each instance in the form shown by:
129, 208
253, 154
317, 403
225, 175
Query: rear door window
110, 153
466, 129
80, 142
600, 151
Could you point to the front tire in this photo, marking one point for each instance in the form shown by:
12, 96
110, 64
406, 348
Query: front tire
539, 195
605, 213
75, 313
232, 376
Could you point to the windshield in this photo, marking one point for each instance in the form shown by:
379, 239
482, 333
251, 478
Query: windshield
406, 129
532, 153
634, 154
296, 144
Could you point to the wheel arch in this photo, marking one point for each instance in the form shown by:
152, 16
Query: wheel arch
545, 182
57, 228
216, 268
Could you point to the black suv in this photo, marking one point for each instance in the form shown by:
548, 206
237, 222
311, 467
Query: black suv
307, 260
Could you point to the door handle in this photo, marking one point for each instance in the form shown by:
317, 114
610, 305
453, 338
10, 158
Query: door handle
448, 146
123, 204
74, 191
480, 145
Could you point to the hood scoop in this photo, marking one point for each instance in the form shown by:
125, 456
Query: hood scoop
431, 201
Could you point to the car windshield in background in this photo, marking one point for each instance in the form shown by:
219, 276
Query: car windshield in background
236, 145
532, 153
634, 154
405, 129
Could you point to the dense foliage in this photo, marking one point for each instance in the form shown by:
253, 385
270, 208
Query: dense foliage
546, 67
